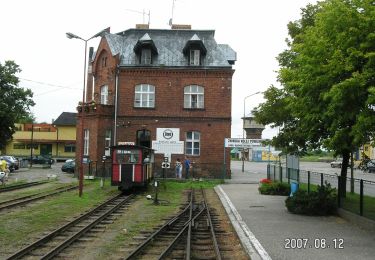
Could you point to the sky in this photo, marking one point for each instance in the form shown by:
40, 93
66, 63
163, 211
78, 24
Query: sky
33, 35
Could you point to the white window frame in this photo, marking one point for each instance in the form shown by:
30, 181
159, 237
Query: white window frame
194, 97
104, 95
86, 142
193, 143
146, 56
144, 96
107, 142
195, 56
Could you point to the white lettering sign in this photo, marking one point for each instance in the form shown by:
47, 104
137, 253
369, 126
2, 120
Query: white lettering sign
165, 147
242, 143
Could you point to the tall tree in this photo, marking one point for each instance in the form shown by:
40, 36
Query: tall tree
15, 102
327, 76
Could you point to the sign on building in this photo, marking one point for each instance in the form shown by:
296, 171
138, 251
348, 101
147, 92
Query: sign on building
242, 143
168, 141
172, 147
168, 134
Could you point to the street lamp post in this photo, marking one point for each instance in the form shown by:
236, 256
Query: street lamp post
73, 36
243, 128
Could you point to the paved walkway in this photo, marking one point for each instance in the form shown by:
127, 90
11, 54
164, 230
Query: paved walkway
265, 226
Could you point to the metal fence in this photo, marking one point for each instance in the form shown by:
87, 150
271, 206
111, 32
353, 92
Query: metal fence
359, 197
97, 169
198, 170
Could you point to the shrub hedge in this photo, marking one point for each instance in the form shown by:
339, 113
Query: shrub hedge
319, 203
274, 188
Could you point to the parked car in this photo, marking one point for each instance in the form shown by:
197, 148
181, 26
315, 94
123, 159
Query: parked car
371, 166
338, 163
10, 164
14, 160
69, 166
40, 159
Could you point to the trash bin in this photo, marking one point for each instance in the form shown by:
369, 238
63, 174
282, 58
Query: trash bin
293, 188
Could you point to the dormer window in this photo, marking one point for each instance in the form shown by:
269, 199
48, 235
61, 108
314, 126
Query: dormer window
195, 51
195, 57
146, 57
145, 50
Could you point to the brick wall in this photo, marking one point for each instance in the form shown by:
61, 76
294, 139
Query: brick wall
213, 121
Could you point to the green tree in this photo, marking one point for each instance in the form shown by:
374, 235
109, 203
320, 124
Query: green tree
15, 102
327, 76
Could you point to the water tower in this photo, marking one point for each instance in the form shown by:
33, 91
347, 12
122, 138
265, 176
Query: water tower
252, 128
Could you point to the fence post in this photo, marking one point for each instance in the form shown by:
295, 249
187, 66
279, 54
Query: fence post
288, 171
338, 191
361, 198
308, 181
297, 175
321, 179
268, 171
274, 172
281, 174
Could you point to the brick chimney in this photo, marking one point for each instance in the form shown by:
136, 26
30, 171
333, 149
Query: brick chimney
142, 26
181, 27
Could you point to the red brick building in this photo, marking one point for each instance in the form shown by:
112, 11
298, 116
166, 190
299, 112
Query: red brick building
142, 81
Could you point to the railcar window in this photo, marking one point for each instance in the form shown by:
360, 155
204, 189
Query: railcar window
124, 156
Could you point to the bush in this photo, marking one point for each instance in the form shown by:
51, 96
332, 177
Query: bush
319, 203
274, 188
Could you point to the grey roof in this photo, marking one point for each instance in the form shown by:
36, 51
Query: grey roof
170, 45
66, 118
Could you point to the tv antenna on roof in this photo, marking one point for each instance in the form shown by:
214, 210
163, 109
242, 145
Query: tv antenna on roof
143, 14
171, 20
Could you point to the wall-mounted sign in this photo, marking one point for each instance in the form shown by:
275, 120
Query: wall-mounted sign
166, 147
167, 134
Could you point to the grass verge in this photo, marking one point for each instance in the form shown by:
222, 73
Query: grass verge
144, 215
20, 227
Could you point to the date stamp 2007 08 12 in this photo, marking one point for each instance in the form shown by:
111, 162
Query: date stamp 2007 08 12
316, 243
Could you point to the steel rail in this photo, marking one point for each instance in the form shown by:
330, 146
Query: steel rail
49, 236
31, 198
178, 236
21, 186
213, 235
157, 232
55, 251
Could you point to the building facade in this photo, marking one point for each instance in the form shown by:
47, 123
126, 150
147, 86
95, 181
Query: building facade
56, 140
175, 82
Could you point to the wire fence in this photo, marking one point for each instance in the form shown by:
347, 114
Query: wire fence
359, 197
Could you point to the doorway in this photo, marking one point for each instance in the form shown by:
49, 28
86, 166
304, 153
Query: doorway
46, 149
144, 138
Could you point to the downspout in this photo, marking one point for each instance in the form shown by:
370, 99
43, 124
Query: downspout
116, 105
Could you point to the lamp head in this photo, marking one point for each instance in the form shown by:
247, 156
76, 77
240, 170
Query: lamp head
72, 36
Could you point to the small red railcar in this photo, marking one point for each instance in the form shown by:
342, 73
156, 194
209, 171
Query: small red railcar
132, 166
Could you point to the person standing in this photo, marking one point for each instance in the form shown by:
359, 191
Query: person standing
187, 167
178, 169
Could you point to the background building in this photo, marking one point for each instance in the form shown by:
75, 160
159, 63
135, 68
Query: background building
55, 140
174, 82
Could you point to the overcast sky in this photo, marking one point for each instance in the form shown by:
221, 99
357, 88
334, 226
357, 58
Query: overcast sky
33, 35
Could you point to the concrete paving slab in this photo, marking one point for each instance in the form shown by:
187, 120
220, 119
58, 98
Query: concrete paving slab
283, 235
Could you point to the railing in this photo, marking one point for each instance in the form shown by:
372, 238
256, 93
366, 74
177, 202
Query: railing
198, 170
359, 197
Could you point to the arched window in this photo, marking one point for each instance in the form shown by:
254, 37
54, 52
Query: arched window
144, 96
193, 96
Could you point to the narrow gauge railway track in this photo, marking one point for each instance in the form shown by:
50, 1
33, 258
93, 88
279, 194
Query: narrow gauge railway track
190, 235
22, 186
34, 197
54, 243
